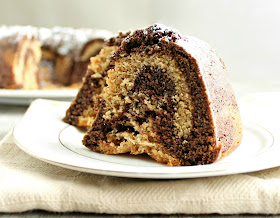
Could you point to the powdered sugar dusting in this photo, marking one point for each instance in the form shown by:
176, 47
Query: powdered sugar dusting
62, 40
15, 34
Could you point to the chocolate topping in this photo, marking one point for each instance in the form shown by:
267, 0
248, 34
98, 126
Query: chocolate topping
117, 40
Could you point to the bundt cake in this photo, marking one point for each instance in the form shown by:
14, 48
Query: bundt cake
42, 58
162, 94
19, 58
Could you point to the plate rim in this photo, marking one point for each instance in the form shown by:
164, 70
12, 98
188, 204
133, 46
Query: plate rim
140, 175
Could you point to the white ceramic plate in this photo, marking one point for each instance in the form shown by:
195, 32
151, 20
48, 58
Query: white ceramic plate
43, 135
25, 97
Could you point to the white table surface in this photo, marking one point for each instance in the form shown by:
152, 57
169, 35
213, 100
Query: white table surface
9, 117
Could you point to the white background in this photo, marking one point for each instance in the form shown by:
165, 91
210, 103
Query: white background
246, 33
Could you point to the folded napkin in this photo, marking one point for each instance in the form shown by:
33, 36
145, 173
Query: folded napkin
27, 183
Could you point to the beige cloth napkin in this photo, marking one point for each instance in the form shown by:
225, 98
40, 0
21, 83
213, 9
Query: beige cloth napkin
27, 183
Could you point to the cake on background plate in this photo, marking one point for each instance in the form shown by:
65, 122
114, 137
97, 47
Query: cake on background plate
46, 58
162, 94
20, 56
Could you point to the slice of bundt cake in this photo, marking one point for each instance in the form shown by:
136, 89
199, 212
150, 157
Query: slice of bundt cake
165, 95
84, 108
